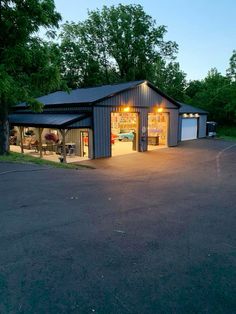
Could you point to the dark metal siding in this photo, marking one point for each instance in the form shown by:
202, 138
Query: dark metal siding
102, 132
173, 127
180, 128
202, 126
141, 96
85, 123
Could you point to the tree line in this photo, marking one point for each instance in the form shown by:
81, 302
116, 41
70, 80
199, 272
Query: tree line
115, 44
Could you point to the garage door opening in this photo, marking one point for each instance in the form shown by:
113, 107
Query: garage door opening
124, 133
157, 130
189, 129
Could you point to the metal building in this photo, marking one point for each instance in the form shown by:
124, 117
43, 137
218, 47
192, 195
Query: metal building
107, 120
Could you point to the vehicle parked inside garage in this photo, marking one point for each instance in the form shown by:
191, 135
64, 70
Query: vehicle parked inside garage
126, 135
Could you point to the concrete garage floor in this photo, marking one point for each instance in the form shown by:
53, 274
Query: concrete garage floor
125, 148
122, 148
152, 233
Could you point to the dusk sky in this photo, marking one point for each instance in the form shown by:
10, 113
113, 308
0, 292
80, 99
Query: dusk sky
205, 30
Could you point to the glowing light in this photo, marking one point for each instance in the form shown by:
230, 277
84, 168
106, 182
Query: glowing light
196, 115
160, 110
191, 115
127, 109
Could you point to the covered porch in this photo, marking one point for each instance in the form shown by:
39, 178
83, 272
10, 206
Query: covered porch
55, 137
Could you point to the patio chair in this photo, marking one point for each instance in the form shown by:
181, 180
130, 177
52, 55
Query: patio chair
35, 145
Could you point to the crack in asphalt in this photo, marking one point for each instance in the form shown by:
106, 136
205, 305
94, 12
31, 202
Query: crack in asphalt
218, 156
25, 170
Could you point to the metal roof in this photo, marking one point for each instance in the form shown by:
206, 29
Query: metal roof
93, 94
190, 109
45, 120
84, 95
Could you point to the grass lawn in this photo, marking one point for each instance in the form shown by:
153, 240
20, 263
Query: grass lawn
21, 158
227, 132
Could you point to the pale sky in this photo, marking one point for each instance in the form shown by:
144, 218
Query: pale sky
205, 30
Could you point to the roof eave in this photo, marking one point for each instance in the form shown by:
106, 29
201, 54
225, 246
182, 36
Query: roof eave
51, 125
61, 105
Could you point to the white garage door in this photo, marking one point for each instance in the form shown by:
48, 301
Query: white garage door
189, 129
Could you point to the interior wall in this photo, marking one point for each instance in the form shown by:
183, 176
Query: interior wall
158, 127
74, 136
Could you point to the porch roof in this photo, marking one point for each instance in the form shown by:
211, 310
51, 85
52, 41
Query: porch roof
60, 121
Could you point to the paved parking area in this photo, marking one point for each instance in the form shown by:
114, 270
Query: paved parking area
145, 233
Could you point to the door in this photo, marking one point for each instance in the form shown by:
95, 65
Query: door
189, 129
84, 143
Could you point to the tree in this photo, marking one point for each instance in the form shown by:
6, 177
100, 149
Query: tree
114, 44
216, 94
26, 63
231, 72
80, 64
170, 79
193, 87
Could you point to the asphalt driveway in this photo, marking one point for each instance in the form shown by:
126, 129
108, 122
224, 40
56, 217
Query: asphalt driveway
144, 233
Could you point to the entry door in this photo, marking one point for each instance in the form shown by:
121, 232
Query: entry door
84, 143
189, 129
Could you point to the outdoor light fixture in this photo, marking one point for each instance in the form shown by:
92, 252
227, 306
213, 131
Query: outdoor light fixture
159, 110
127, 109
196, 115
185, 115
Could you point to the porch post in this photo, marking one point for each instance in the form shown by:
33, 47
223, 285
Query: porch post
63, 134
21, 139
40, 142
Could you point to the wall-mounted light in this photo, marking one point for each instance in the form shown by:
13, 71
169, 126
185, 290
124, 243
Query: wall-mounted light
185, 115
196, 115
126, 109
159, 110
191, 115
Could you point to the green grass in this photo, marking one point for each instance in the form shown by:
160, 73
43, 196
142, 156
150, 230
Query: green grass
21, 158
227, 132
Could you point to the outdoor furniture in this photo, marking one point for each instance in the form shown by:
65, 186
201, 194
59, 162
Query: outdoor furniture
49, 147
70, 149
29, 142
13, 140
35, 145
